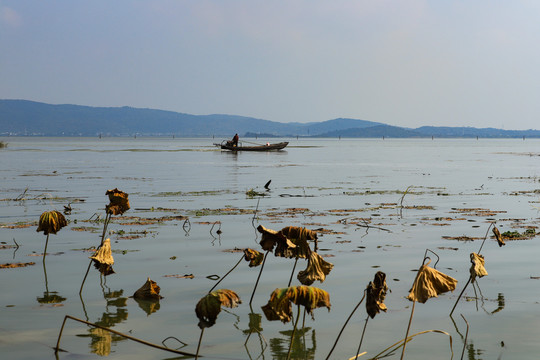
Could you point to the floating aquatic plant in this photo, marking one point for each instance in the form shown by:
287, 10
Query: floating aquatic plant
50, 222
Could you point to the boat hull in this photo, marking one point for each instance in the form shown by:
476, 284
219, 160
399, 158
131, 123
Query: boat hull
269, 147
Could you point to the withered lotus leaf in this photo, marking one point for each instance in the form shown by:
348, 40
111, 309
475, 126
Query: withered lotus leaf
103, 254
498, 236
270, 238
430, 283
317, 269
50, 222
299, 236
279, 306
477, 267
149, 291
375, 294
208, 307
254, 257
119, 202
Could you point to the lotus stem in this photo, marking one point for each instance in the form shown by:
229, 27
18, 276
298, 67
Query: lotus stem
57, 348
85, 275
461, 293
466, 335
105, 225
407, 333
258, 277
292, 273
344, 325
485, 237
199, 344
293, 332
45, 251
362, 337
224, 276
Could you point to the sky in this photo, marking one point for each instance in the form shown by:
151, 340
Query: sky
404, 63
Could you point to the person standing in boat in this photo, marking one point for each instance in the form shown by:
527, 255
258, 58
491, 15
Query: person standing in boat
234, 141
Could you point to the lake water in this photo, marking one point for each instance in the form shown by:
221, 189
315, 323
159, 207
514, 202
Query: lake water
456, 189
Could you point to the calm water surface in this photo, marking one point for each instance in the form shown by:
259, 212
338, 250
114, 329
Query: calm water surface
456, 189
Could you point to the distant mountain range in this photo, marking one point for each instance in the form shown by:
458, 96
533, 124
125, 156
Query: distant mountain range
30, 118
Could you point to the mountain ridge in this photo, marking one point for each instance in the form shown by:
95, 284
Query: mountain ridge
30, 118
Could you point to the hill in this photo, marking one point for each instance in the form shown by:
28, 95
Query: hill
30, 118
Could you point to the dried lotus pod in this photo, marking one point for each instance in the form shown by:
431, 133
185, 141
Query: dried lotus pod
477, 267
119, 202
149, 291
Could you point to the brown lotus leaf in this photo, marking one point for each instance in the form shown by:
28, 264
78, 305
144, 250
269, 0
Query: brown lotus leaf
498, 236
279, 306
299, 236
149, 291
375, 294
477, 267
208, 307
317, 269
254, 257
50, 222
119, 202
271, 238
430, 283
103, 254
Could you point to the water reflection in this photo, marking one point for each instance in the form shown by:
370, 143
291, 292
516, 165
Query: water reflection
474, 354
148, 306
255, 321
280, 346
115, 313
49, 297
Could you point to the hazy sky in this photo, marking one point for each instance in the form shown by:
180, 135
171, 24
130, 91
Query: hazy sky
404, 63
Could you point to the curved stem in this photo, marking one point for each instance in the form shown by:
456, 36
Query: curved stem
294, 331
485, 237
258, 277
292, 273
199, 344
224, 276
459, 297
85, 275
407, 333
46, 243
344, 325
362, 338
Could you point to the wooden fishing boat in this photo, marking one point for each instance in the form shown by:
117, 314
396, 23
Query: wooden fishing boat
227, 145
